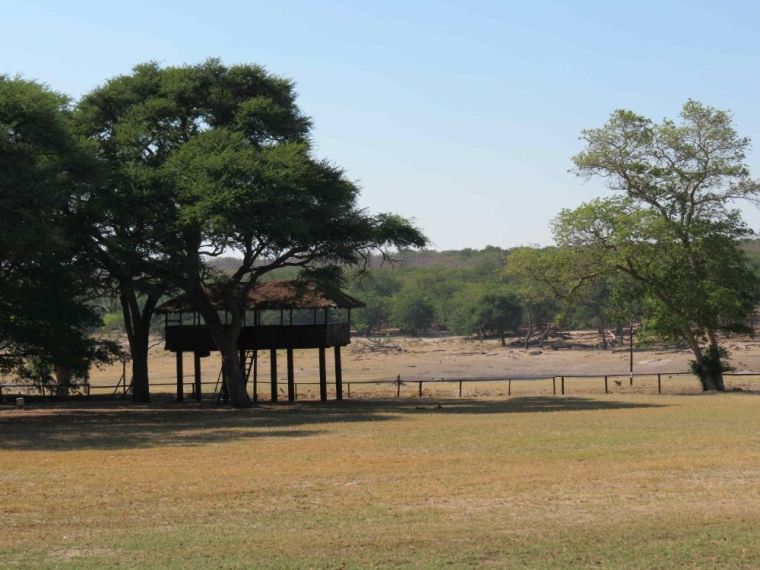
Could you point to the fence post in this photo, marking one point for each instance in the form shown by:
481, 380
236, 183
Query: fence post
606, 390
87, 389
509, 386
562, 381
460, 388
659, 383
398, 386
554, 385
348, 385
420, 393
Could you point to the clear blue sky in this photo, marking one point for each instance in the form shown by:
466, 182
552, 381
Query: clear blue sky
462, 115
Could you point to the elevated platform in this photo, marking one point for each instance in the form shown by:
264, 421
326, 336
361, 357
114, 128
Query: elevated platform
196, 338
291, 298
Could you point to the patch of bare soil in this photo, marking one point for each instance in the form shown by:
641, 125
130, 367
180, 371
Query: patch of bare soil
454, 358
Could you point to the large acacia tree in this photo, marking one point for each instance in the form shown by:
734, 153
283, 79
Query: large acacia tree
673, 228
46, 278
217, 160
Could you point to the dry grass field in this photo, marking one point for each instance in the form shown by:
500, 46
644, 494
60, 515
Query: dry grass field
632, 481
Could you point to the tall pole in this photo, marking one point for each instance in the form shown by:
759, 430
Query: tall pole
197, 366
273, 373
291, 376
180, 378
630, 356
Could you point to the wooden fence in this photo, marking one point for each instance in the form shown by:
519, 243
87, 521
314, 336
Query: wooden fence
560, 385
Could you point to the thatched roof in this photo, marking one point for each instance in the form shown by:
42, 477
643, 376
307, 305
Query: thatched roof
276, 295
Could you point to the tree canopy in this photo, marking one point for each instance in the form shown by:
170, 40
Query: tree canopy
46, 279
673, 227
221, 155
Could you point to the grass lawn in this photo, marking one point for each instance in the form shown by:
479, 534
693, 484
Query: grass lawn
634, 481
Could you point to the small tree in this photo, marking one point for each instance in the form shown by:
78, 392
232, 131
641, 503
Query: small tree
673, 230
485, 310
534, 274
412, 312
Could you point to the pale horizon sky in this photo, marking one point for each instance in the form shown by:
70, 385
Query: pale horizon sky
461, 115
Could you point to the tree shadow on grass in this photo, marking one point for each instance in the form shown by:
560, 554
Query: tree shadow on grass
110, 425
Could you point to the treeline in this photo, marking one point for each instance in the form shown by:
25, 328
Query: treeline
491, 292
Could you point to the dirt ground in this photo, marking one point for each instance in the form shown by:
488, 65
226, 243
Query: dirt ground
460, 358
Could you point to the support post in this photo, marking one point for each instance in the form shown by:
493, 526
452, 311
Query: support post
554, 385
255, 371
180, 378
630, 360
420, 389
606, 389
197, 366
338, 375
291, 377
509, 387
273, 373
460, 388
562, 384
322, 375
349, 389
659, 383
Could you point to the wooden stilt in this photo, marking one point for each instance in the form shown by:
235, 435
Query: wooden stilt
338, 375
255, 375
273, 373
291, 377
322, 375
180, 378
197, 366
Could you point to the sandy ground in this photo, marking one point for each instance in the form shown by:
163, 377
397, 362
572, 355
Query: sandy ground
457, 358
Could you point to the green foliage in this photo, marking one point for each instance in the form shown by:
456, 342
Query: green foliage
209, 159
485, 309
422, 287
412, 312
673, 230
46, 281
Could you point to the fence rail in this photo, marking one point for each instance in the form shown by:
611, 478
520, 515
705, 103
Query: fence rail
415, 387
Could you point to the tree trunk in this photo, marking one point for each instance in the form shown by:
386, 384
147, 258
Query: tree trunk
63, 381
707, 365
234, 376
530, 330
714, 377
225, 337
137, 324
712, 380
603, 335
138, 349
542, 338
